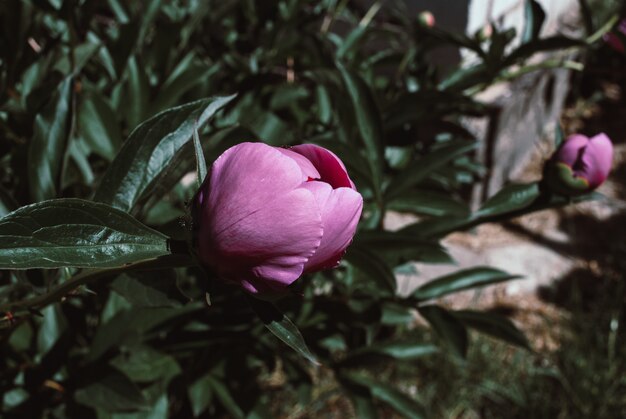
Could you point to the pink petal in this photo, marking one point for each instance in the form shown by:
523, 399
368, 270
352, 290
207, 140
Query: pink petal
570, 150
327, 163
250, 187
308, 170
614, 42
341, 209
597, 160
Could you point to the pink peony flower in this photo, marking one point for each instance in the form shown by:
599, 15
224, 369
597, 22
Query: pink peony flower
581, 164
266, 215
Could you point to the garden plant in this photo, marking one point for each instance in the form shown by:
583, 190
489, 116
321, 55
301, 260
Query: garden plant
193, 198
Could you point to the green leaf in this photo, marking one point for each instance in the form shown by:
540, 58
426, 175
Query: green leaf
47, 148
148, 289
401, 350
7, 202
98, 125
151, 147
399, 247
368, 121
52, 327
82, 53
112, 393
225, 397
280, 325
189, 72
75, 233
349, 46
447, 327
201, 170
424, 166
466, 77
459, 281
129, 326
559, 136
397, 400
361, 397
396, 314
511, 198
438, 227
142, 364
494, 325
370, 264
425, 202
534, 17
540, 45
137, 91
200, 394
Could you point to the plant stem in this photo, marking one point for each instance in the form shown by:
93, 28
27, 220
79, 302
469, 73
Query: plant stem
61, 290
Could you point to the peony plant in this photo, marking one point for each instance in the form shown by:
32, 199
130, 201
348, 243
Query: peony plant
117, 257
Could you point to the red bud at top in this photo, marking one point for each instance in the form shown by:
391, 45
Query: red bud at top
426, 18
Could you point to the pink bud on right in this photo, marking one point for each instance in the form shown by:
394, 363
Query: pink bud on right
581, 164
426, 18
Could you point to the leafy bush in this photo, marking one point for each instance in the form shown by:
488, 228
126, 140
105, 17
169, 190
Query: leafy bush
107, 312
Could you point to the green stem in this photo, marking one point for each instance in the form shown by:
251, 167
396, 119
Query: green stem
61, 290
604, 29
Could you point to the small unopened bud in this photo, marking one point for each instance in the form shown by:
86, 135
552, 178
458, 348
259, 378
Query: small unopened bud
580, 165
426, 18
485, 32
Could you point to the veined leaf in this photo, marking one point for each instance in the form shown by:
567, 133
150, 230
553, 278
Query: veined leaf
149, 150
461, 280
75, 233
368, 120
511, 198
280, 325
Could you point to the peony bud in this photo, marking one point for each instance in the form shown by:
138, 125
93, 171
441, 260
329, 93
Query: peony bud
426, 18
484, 33
580, 164
266, 215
